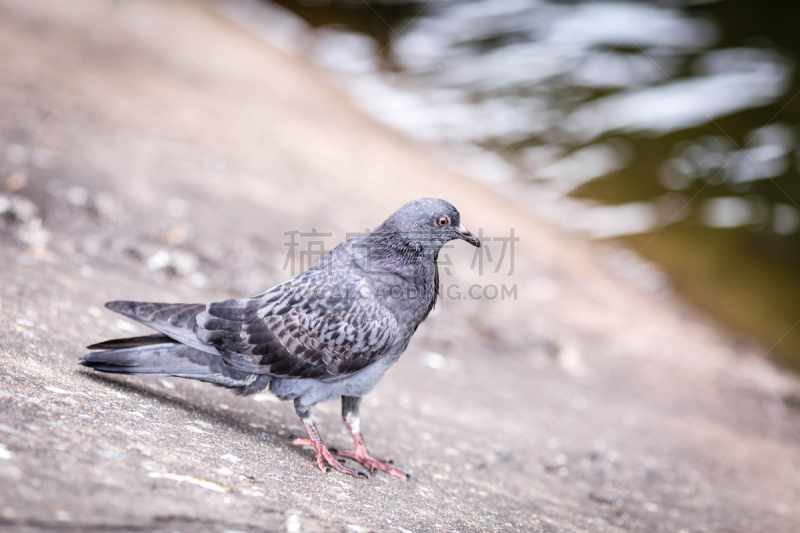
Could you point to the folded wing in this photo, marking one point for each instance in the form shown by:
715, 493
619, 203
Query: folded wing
319, 325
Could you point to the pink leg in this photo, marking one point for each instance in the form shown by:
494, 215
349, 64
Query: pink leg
350, 406
324, 458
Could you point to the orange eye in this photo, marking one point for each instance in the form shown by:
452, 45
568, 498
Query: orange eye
442, 221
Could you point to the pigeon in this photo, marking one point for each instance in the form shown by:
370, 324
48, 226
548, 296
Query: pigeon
331, 332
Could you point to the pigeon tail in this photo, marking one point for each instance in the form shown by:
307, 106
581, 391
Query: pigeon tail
172, 359
131, 342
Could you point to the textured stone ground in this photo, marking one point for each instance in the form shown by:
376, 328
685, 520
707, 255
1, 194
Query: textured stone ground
185, 149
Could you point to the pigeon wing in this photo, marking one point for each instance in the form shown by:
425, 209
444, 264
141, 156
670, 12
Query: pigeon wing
319, 325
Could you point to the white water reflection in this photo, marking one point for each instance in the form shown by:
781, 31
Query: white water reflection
726, 212
785, 219
614, 70
767, 157
545, 33
606, 221
580, 166
730, 81
766, 154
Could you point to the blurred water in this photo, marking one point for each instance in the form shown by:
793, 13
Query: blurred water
670, 126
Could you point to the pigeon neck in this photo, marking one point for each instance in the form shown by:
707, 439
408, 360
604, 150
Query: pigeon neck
392, 251
389, 249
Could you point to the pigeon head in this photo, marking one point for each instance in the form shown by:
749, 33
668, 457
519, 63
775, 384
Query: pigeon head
430, 223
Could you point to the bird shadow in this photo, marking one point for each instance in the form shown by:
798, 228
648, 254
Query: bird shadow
233, 420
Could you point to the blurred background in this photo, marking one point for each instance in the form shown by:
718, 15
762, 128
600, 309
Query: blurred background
620, 120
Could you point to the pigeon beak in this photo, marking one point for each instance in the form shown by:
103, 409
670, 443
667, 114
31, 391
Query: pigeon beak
464, 234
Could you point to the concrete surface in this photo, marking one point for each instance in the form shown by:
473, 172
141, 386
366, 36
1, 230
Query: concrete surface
185, 149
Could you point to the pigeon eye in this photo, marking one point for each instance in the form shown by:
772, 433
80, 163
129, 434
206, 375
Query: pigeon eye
442, 221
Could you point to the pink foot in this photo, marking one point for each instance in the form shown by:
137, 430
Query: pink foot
325, 461
361, 455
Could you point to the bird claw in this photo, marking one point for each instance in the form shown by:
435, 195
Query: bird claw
325, 461
341, 468
371, 463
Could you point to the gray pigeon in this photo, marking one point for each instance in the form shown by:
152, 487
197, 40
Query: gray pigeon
331, 332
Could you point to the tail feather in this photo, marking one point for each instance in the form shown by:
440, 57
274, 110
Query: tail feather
172, 359
131, 342
163, 359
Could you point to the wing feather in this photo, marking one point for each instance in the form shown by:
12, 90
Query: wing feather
314, 326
